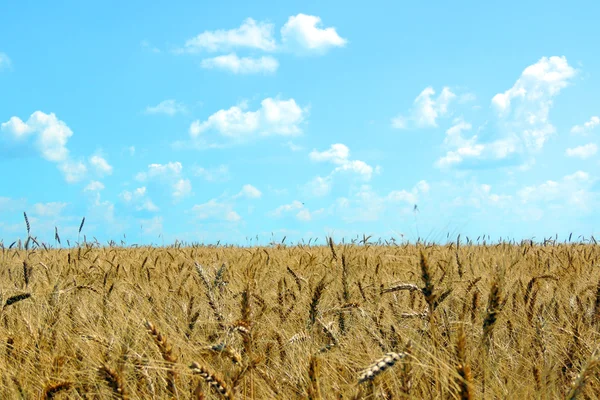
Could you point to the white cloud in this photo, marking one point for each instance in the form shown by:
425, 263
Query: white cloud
587, 126
213, 209
139, 199
477, 196
478, 153
182, 188
358, 167
169, 107
303, 33
52, 210
298, 209
573, 192
195, 128
249, 192
583, 152
148, 46
523, 123
293, 206
319, 186
50, 136
537, 84
101, 165
152, 226
94, 186
533, 93
292, 146
399, 122
169, 174
422, 187
242, 65
4, 61
251, 34
74, 171
275, 117
216, 174
161, 171
339, 154
366, 205
454, 133
426, 109
10, 205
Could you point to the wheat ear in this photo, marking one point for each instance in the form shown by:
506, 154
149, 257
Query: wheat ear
216, 383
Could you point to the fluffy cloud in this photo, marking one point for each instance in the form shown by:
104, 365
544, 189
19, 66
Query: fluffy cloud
249, 192
426, 109
454, 133
297, 208
587, 126
152, 226
275, 117
319, 186
49, 136
182, 188
4, 61
215, 210
101, 166
242, 65
161, 171
251, 34
530, 99
216, 174
48, 209
168, 174
571, 192
148, 46
339, 154
523, 119
583, 152
477, 196
168, 107
94, 186
367, 205
303, 33
537, 84
139, 199
74, 171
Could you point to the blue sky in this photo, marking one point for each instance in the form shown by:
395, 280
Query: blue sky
222, 121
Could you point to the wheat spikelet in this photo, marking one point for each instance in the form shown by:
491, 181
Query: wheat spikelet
401, 286
379, 366
223, 349
27, 224
114, 381
333, 254
52, 389
465, 382
210, 295
428, 287
314, 389
583, 377
16, 298
494, 307
316, 298
216, 383
167, 353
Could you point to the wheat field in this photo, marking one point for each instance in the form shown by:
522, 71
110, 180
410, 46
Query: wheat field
343, 321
